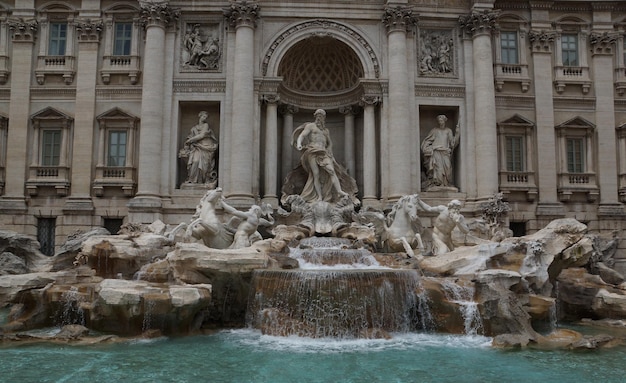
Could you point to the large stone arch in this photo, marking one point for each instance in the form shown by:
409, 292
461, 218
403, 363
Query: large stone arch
294, 33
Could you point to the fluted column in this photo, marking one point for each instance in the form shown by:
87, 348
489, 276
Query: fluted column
398, 20
348, 138
287, 153
156, 16
23, 34
88, 33
541, 43
602, 48
271, 149
242, 15
480, 25
370, 176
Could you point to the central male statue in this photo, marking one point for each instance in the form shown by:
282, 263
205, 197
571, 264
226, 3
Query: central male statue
319, 177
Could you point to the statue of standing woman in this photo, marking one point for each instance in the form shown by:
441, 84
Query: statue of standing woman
199, 149
437, 149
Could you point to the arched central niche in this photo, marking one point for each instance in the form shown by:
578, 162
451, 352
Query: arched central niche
320, 65
320, 71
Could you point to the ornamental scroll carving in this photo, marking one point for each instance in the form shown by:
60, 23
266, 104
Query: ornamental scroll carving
436, 53
158, 13
201, 47
602, 43
541, 41
89, 30
23, 30
399, 19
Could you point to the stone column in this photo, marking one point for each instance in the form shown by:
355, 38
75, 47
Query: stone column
348, 138
480, 25
287, 153
541, 48
242, 16
271, 150
398, 20
23, 34
146, 206
88, 33
603, 45
370, 176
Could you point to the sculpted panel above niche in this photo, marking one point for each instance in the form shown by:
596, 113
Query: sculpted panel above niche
436, 53
201, 48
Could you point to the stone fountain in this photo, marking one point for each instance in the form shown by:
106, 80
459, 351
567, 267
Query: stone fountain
318, 266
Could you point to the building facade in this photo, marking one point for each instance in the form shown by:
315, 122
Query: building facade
100, 99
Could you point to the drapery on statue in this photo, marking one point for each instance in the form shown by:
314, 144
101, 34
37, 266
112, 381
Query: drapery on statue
326, 180
199, 149
449, 217
437, 149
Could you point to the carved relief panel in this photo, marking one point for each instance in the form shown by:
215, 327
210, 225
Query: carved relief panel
436, 53
201, 47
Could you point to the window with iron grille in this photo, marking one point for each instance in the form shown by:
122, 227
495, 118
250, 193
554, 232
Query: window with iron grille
45, 235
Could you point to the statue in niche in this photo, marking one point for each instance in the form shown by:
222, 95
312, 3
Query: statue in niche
449, 217
437, 150
436, 53
201, 51
318, 177
199, 149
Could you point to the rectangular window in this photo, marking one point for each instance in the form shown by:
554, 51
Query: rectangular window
569, 48
51, 147
45, 235
515, 153
117, 148
123, 36
575, 155
58, 39
508, 47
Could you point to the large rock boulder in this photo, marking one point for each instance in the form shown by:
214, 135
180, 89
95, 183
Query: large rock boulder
24, 247
66, 256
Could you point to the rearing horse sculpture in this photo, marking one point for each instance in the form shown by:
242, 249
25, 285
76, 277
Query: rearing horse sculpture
403, 227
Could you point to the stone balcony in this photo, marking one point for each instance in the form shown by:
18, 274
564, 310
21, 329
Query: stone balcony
57, 177
620, 81
570, 75
519, 182
516, 73
63, 66
120, 65
116, 178
578, 183
4, 69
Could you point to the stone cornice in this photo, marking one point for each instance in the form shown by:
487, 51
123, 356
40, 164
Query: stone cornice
541, 41
478, 22
563, 103
158, 13
602, 43
517, 102
399, 18
53, 93
112, 93
193, 86
89, 30
439, 91
242, 13
22, 30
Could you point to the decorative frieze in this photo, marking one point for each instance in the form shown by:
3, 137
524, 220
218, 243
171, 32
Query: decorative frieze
191, 86
53, 93
436, 56
541, 41
478, 22
22, 30
602, 43
201, 48
242, 13
158, 13
399, 18
439, 91
126, 93
517, 102
89, 30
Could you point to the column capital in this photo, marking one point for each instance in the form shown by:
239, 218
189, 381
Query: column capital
270, 98
348, 109
158, 13
602, 43
288, 109
23, 30
541, 41
369, 100
478, 22
399, 18
89, 30
242, 13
